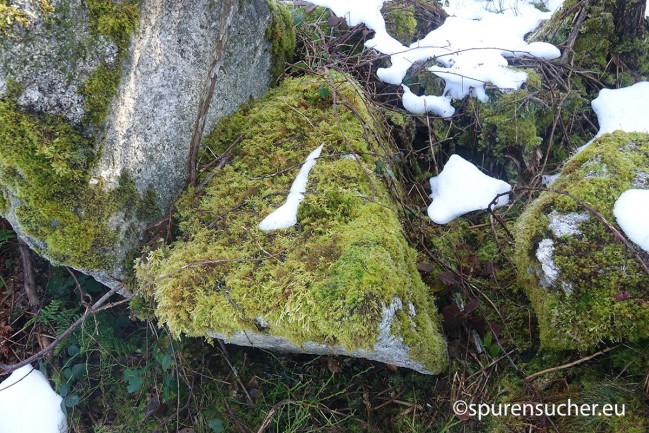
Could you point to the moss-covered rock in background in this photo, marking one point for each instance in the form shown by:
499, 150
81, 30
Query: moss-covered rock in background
585, 286
342, 281
99, 102
281, 34
59, 73
605, 38
410, 20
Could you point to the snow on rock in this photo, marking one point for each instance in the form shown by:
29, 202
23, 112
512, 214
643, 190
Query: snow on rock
29, 405
621, 109
461, 188
471, 47
632, 214
285, 216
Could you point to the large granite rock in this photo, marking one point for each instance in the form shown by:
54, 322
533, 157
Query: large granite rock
343, 280
585, 285
99, 103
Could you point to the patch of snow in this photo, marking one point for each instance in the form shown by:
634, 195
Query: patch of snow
545, 256
632, 214
461, 188
621, 109
285, 216
567, 224
471, 47
440, 105
28, 404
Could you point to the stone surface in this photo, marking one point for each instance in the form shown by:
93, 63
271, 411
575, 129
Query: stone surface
585, 286
388, 348
52, 57
152, 118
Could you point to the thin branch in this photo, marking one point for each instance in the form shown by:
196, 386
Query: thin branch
568, 365
215, 69
29, 283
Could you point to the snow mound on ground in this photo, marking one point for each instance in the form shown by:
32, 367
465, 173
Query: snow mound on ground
285, 216
461, 188
29, 405
632, 214
471, 47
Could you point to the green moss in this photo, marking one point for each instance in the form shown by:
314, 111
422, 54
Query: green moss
598, 47
45, 171
325, 280
114, 20
45, 165
594, 264
515, 126
9, 16
410, 20
400, 21
98, 90
281, 34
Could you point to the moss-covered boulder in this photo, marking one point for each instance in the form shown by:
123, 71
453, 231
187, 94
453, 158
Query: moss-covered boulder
343, 280
584, 283
100, 103
608, 37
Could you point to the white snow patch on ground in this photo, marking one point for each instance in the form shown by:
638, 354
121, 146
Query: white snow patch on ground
461, 188
29, 405
285, 216
621, 109
471, 47
632, 214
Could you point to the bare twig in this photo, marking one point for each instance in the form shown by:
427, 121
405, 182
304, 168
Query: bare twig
215, 69
28, 274
568, 365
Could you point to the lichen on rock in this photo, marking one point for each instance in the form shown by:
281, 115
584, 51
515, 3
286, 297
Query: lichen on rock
585, 285
326, 282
